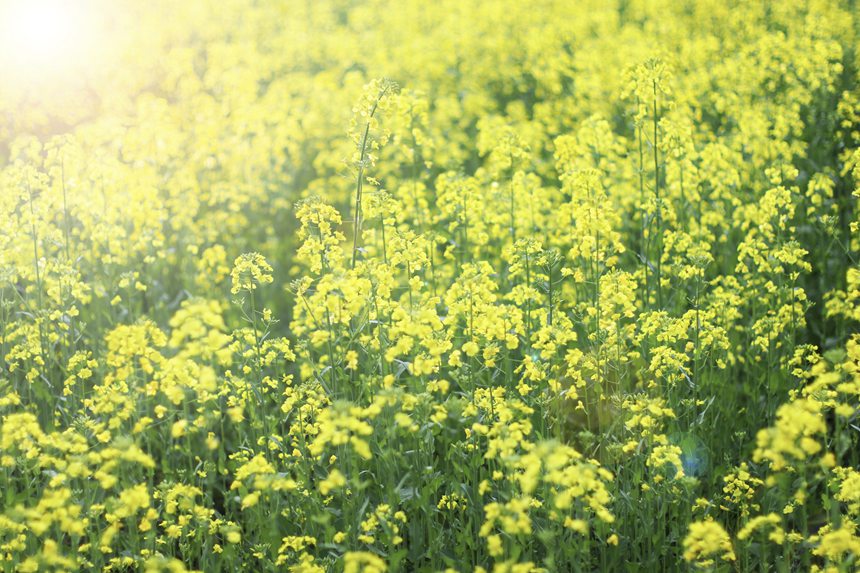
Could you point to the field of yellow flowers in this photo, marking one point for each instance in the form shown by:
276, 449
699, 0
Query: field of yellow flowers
467, 286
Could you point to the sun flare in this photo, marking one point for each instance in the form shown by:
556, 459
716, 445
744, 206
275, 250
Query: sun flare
44, 35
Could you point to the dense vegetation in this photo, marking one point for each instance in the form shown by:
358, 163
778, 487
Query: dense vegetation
434, 286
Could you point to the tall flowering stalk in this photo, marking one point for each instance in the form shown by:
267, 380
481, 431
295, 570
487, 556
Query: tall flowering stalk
368, 139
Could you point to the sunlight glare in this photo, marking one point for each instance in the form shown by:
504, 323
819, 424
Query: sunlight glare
40, 36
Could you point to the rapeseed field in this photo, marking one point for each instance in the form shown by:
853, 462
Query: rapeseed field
455, 286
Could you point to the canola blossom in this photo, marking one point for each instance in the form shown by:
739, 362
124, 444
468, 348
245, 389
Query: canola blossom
374, 286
